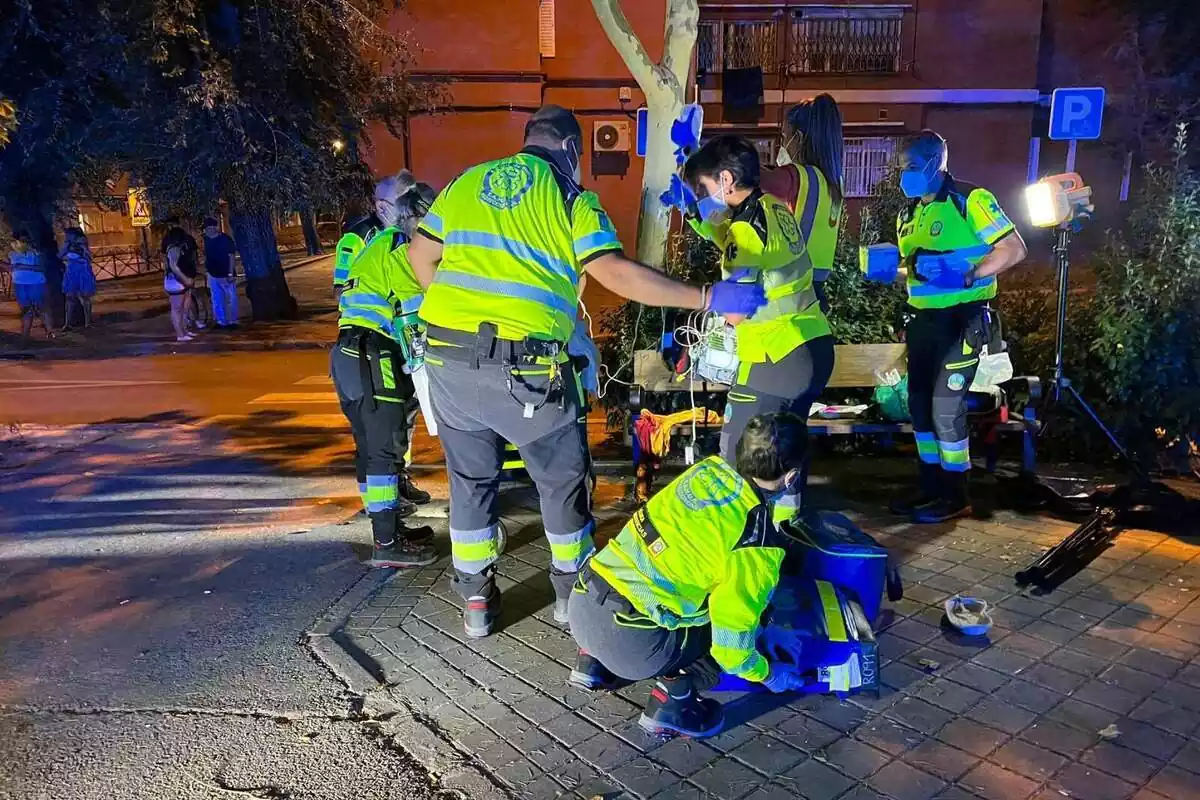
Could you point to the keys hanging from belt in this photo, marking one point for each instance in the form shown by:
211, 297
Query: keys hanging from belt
555, 383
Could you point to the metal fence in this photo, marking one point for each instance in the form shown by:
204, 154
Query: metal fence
121, 262
835, 42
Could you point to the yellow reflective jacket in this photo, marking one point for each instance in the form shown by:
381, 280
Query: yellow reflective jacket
961, 218
381, 290
516, 235
703, 550
763, 236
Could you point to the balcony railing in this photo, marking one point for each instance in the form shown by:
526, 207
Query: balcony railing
812, 42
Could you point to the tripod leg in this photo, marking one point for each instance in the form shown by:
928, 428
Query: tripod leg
1100, 424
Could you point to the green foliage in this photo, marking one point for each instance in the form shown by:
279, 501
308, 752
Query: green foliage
1148, 308
199, 100
243, 100
1131, 338
861, 312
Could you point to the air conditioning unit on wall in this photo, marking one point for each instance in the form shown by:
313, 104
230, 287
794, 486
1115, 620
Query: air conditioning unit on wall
612, 136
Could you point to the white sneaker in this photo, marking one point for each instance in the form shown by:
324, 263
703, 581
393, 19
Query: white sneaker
200, 325
185, 338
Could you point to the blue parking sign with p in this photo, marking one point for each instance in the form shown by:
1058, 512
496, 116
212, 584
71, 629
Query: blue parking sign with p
1076, 113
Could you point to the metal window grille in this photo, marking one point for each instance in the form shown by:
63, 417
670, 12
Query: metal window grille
846, 40
866, 162
766, 146
725, 45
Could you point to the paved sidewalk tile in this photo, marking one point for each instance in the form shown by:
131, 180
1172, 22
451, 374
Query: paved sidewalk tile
1017, 715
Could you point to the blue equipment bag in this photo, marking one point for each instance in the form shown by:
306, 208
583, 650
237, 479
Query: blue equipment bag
838, 551
813, 625
823, 611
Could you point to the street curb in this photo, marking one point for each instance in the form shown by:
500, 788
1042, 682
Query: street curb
451, 770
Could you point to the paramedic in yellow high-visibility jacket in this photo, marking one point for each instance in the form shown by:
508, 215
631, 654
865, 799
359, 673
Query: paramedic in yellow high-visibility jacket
785, 349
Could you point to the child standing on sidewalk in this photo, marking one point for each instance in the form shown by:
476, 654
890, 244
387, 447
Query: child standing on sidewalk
79, 282
29, 284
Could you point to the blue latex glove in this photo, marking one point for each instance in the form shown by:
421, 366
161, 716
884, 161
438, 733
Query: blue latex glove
685, 131
732, 296
944, 270
581, 344
678, 195
783, 678
781, 644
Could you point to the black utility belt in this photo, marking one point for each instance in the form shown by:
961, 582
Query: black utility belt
356, 336
486, 347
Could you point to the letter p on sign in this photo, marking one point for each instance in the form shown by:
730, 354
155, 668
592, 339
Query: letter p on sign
1076, 113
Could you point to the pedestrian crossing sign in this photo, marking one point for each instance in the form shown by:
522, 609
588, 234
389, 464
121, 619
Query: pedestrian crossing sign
139, 208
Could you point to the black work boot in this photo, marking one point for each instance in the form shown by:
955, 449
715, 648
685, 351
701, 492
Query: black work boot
929, 491
588, 673
402, 553
954, 503
420, 534
674, 707
480, 614
404, 507
410, 492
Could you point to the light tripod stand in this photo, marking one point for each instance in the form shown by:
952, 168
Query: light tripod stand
1112, 507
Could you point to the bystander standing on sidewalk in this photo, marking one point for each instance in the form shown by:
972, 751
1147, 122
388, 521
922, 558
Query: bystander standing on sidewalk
219, 263
79, 282
29, 285
179, 249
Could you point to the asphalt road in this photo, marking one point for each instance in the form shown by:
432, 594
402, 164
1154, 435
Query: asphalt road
158, 572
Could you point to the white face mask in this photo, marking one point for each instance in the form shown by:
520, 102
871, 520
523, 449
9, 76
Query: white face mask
574, 157
387, 212
783, 156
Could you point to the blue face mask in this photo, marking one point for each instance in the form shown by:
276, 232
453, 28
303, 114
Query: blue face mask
712, 207
919, 182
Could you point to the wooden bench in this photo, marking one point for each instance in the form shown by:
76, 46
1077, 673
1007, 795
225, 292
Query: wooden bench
1011, 407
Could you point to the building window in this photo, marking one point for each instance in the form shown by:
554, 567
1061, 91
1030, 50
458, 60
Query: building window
866, 163
722, 45
845, 40
766, 147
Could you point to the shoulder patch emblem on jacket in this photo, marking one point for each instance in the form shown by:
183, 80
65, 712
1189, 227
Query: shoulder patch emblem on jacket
706, 488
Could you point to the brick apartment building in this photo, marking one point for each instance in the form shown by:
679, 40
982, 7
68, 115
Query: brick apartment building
976, 72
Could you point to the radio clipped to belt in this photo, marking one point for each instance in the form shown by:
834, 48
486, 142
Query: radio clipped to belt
410, 334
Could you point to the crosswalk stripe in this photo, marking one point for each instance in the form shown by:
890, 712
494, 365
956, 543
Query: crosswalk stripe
315, 380
294, 398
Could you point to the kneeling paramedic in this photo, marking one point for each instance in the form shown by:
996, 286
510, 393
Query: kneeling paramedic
378, 348
687, 580
785, 349
954, 240
502, 252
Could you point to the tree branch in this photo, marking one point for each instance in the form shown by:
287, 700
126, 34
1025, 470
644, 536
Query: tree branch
633, 53
683, 19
